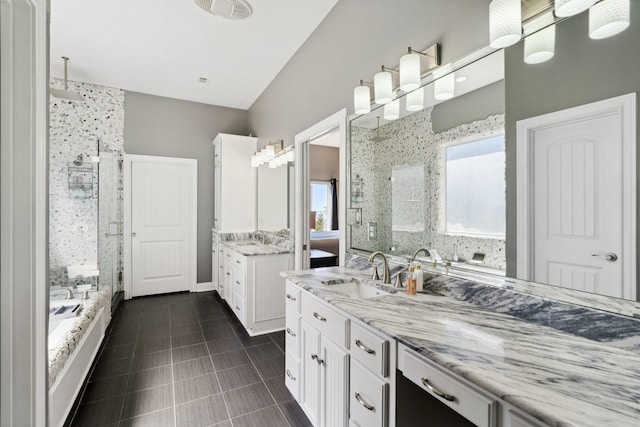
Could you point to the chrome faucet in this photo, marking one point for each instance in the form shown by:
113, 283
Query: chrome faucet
264, 236
415, 254
387, 275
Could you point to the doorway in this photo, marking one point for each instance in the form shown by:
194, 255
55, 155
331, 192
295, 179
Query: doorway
160, 225
577, 223
320, 160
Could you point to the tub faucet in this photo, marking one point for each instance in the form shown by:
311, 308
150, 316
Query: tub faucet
69, 293
387, 275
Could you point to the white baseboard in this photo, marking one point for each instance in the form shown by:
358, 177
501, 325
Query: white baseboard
203, 287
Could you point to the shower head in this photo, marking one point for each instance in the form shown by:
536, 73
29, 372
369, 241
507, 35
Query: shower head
66, 93
378, 138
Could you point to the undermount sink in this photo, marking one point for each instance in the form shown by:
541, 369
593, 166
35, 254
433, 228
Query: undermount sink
355, 289
247, 244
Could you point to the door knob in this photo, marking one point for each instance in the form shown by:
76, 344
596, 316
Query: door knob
611, 257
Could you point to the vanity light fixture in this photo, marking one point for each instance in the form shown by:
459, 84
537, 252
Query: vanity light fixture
266, 154
392, 110
415, 100
505, 23
541, 44
608, 18
362, 98
383, 87
412, 68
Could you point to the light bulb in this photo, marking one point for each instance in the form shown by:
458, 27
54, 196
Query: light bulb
383, 87
409, 72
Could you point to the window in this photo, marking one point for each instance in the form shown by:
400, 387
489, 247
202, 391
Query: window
475, 188
321, 205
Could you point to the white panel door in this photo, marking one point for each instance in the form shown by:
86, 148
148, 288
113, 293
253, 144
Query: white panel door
162, 221
578, 195
310, 372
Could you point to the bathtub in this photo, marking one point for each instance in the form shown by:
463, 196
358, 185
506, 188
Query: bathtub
72, 346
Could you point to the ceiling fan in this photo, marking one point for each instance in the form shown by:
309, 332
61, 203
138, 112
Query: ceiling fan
229, 9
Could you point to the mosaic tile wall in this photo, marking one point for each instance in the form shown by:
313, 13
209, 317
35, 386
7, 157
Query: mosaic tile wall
77, 131
412, 152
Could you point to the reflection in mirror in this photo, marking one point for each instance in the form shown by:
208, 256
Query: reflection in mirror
402, 168
273, 197
511, 93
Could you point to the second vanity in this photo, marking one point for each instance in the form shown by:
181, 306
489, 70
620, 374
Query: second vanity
248, 280
350, 347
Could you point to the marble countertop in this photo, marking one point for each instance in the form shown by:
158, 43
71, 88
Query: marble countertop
255, 248
560, 378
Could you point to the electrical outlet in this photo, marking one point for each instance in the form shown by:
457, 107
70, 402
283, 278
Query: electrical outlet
372, 231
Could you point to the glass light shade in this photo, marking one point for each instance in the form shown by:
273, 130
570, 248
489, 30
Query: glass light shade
273, 163
362, 99
383, 87
505, 23
415, 100
443, 88
572, 7
540, 47
608, 18
270, 151
291, 156
254, 161
392, 110
409, 72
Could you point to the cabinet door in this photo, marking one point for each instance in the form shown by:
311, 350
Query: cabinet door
310, 372
228, 280
334, 384
217, 184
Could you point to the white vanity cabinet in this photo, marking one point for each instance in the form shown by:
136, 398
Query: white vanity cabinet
324, 363
254, 289
371, 379
235, 184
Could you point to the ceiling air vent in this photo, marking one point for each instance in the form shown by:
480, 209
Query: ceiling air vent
229, 9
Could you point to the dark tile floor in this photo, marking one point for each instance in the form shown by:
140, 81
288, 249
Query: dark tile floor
184, 360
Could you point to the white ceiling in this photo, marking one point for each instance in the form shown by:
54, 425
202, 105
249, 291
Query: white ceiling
163, 47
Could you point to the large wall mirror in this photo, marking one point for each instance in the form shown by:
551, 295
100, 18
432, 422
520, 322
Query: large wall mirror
275, 192
450, 176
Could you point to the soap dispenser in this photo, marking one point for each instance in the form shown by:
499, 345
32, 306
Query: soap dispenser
419, 278
411, 281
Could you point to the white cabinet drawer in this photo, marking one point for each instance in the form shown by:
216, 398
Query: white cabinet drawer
478, 408
326, 320
370, 349
292, 333
292, 374
292, 296
238, 308
368, 397
239, 281
239, 260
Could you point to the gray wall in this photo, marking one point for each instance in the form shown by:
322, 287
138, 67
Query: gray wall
160, 126
352, 42
582, 71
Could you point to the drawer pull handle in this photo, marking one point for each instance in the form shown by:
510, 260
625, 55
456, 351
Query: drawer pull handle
291, 298
364, 347
237, 308
237, 282
237, 262
317, 359
290, 332
320, 318
228, 256
437, 392
290, 375
363, 403
228, 274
